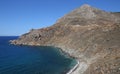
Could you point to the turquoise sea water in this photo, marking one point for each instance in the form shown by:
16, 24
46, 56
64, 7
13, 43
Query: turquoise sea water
32, 59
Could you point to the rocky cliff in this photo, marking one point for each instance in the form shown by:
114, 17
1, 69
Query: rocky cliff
90, 35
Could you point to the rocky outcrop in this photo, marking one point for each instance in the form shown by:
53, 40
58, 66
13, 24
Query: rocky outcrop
90, 35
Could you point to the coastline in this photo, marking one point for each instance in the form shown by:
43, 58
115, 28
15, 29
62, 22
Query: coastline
74, 68
67, 54
81, 65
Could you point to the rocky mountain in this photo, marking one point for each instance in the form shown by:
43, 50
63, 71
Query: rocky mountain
90, 35
87, 15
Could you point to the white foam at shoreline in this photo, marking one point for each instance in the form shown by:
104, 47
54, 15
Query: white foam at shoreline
73, 68
79, 68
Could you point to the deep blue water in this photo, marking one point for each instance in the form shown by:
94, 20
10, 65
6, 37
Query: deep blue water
31, 59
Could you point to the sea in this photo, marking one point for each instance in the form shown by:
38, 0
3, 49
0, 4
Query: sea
15, 59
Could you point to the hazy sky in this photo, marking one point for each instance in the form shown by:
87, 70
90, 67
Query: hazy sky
19, 16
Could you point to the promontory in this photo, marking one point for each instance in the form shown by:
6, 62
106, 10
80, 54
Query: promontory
90, 35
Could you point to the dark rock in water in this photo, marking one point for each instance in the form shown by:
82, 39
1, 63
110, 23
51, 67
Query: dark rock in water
87, 33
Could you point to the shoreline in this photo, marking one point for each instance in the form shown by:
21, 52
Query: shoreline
66, 54
74, 68
81, 65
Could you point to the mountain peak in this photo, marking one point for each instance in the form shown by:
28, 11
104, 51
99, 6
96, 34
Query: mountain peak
87, 9
86, 15
85, 6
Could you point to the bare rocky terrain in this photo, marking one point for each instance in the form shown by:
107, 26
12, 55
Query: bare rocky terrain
90, 35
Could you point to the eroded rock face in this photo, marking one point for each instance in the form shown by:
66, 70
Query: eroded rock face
88, 34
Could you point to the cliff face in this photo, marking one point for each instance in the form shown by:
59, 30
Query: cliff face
90, 35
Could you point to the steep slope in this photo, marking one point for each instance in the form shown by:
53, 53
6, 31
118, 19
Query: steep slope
90, 35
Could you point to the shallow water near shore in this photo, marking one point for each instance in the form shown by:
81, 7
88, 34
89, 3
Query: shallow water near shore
32, 59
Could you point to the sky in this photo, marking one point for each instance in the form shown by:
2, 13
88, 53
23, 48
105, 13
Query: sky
19, 16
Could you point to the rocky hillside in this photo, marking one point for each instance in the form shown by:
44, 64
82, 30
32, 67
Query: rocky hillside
90, 35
